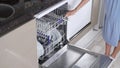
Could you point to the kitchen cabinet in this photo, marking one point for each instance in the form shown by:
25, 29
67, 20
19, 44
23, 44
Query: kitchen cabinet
18, 48
80, 19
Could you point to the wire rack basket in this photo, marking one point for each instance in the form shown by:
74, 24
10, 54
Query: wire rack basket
49, 22
47, 33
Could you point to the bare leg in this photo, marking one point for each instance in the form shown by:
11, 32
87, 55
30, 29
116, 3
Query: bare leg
116, 50
107, 49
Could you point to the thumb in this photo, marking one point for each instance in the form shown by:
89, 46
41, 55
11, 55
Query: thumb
66, 15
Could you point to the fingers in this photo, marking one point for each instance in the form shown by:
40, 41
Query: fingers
72, 12
68, 14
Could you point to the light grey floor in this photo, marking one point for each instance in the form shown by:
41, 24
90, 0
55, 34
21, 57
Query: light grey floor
93, 41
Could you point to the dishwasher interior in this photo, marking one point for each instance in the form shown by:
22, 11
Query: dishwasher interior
53, 50
51, 33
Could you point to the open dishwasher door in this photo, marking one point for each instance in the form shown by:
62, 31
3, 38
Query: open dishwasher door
73, 57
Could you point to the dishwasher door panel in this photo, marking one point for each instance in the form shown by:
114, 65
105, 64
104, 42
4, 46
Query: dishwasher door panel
68, 59
74, 57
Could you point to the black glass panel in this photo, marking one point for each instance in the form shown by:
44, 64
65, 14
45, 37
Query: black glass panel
10, 2
5, 12
26, 0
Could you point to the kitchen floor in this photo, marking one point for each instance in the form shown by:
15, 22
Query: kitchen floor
94, 42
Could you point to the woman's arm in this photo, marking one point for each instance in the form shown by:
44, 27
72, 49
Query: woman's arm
82, 3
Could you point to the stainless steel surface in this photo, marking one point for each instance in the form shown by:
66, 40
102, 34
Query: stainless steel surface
85, 61
101, 62
74, 57
55, 57
68, 58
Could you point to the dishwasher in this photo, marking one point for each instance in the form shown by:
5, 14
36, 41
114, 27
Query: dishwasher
52, 45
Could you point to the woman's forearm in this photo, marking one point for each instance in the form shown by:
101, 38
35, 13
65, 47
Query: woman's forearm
71, 12
82, 3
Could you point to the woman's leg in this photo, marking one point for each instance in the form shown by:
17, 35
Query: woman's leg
107, 49
116, 50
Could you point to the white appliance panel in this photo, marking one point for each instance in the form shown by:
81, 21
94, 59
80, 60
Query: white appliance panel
80, 19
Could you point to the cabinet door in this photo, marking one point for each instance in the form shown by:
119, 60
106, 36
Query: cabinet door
18, 48
80, 19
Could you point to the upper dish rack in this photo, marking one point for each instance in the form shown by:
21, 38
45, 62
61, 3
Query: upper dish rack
49, 22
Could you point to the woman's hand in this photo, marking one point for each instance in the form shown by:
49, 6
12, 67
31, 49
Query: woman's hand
71, 12
82, 3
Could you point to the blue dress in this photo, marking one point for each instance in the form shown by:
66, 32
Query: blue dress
111, 27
